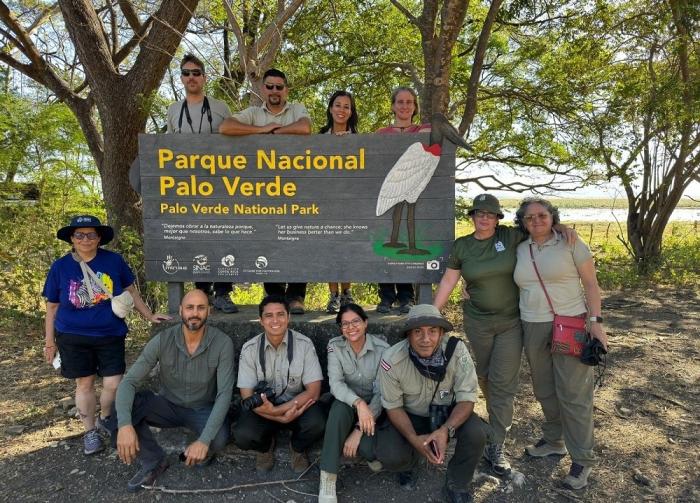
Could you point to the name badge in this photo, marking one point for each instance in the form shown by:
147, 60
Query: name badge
499, 246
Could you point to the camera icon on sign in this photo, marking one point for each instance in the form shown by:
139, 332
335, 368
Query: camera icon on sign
432, 265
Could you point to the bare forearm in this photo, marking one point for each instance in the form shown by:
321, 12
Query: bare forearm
302, 126
447, 284
460, 414
139, 304
49, 330
233, 127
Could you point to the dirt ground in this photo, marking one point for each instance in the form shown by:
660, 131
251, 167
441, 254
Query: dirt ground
646, 417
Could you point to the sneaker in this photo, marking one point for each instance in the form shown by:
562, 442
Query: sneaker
407, 480
376, 466
224, 304
346, 298
326, 488
405, 307
493, 453
146, 477
300, 462
296, 307
333, 304
543, 449
92, 443
452, 496
577, 477
384, 307
101, 425
264, 461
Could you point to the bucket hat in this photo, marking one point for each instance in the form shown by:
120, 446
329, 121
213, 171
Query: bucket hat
425, 315
486, 202
105, 231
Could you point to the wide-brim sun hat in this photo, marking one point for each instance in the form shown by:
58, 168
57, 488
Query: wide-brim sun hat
486, 202
425, 315
105, 231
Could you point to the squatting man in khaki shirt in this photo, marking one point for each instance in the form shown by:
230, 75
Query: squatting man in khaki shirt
196, 376
279, 377
414, 374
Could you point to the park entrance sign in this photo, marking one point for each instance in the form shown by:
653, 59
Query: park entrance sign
296, 208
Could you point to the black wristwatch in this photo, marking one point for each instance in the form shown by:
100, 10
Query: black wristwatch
595, 319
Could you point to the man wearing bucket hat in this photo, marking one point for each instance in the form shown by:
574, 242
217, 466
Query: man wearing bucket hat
428, 387
485, 259
82, 323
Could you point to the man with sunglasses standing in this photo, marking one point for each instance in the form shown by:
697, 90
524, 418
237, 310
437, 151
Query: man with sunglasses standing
200, 114
275, 116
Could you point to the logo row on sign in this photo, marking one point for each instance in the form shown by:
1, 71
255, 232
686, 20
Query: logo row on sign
202, 265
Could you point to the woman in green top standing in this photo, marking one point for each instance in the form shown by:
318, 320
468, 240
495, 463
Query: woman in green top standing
486, 260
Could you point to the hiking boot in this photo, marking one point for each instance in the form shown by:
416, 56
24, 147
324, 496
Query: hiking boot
543, 449
376, 466
346, 298
224, 304
333, 303
264, 461
577, 477
146, 477
407, 480
493, 453
92, 443
326, 488
296, 307
405, 307
300, 462
384, 307
452, 496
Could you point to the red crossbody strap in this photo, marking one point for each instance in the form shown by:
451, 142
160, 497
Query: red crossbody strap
534, 264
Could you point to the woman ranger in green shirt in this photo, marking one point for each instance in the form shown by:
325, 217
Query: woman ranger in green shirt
486, 261
353, 361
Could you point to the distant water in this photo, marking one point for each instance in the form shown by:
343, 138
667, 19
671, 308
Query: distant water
607, 215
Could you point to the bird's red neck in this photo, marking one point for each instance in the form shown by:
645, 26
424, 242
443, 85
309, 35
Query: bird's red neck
435, 149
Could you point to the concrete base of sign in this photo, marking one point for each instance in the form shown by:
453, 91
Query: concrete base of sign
318, 326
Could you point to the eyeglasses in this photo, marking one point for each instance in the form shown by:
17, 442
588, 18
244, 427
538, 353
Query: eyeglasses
352, 323
536, 216
79, 236
194, 73
279, 87
485, 214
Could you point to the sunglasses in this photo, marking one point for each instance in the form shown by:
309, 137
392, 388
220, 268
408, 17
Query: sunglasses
79, 236
279, 87
194, 73
485, 214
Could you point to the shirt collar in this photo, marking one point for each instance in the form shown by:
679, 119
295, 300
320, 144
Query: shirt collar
267, 110
552, 241
203, 344
284, 341
369, 346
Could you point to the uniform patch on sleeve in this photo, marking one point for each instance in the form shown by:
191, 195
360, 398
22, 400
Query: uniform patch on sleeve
329, 349
385, 365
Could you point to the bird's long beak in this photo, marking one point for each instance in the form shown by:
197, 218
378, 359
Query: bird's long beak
441, 128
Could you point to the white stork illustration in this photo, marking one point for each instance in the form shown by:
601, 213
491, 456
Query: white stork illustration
409, 177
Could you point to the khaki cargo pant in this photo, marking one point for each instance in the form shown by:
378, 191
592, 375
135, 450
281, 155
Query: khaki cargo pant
564, 387
497, 346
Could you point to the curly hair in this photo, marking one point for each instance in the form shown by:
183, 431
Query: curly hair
520, 213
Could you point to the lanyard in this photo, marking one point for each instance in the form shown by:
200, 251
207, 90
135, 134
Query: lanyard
205, 109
